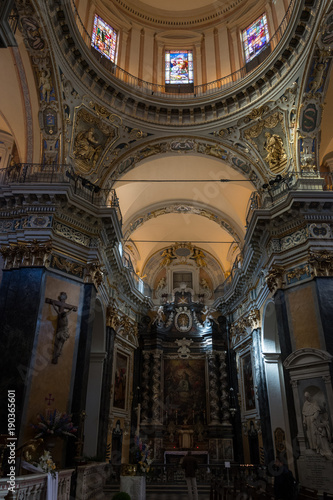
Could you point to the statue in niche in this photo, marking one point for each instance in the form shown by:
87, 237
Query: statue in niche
45, 84
318, 77
117, 437
159, 316
317, 426
87, 147
208, 313
161, 284
62, 334
310, 412
275, 151
204, 284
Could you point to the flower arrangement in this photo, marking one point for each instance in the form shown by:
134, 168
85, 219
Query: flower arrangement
55, 424
142, 455
46, 463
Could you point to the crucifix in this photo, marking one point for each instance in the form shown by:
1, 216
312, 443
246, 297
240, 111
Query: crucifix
49, 399
63, 310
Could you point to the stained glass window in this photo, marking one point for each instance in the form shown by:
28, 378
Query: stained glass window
104, 39
255, 38
178, 66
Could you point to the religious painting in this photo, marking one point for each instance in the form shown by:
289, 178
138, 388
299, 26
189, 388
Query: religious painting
104, 38
248, 384
178, 66
120, 381
255, 38
185, 391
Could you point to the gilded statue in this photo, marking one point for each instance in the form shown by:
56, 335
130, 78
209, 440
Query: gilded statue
199, 258
167, 254
87, 146
276, 154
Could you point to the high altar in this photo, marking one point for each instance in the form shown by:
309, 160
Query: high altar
185, 360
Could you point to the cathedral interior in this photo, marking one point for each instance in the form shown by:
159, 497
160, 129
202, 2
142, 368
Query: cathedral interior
166, 231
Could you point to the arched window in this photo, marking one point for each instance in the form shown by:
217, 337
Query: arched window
255, 38
104, 39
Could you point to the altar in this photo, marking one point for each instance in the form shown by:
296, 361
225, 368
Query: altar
202, 456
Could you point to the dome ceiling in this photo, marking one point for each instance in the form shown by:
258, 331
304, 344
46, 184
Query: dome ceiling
182, 12
181, 5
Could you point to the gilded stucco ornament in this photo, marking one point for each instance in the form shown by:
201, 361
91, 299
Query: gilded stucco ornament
27, 253
94, 273
239, 329
276, 156
67, 266
274, 278
93, 137
112, 315
321, 263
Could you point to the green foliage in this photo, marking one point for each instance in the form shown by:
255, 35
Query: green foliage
121, 496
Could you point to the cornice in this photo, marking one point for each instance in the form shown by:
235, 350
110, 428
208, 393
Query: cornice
194, 18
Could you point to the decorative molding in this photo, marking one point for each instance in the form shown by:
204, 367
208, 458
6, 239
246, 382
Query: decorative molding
298, 274
185, 209
71, 234
26, 254
66, 265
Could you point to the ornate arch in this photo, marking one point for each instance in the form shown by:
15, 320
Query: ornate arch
234, 157
181, 208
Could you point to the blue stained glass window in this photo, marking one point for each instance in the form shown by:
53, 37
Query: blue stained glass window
255, 38
178, 66
104, 38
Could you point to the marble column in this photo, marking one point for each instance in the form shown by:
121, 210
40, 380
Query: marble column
157, 404
224, 388
145, 387
213, 390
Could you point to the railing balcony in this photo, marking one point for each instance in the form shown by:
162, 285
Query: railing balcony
51, 174
206, 89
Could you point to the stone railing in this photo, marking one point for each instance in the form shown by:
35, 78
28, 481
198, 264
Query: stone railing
34, 486
91, 480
